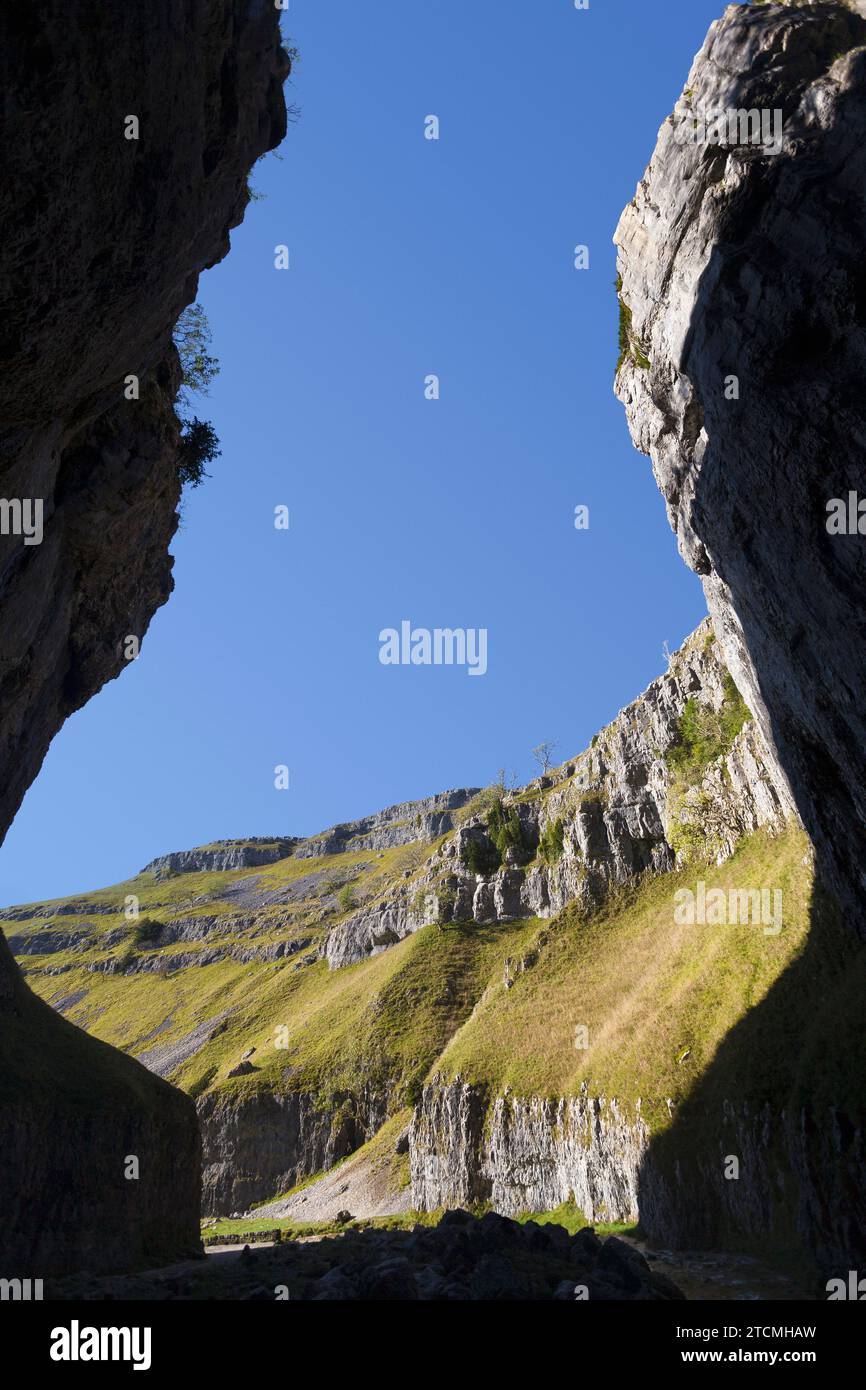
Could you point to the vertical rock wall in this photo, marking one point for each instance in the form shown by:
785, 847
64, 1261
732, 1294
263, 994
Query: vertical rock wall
103, 241
743, 276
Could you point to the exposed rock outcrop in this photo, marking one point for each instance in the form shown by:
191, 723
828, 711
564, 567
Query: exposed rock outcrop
796, 1187
407, 823
744, 304
525, 1154
104, 238
221, 858
255, 1146
617, 812
742, 274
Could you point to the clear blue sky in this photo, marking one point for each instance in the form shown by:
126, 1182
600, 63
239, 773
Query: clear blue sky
408, 257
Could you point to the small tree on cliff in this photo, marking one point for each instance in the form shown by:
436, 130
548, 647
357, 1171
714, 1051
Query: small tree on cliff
543, 755
199, 443
192, 338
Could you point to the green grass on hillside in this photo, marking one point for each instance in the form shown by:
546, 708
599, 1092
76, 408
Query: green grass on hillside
656, 998
648, 991
696, 1015
298, 1230
381, 1022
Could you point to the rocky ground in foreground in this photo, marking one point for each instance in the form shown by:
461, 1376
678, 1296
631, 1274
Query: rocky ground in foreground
463, 1258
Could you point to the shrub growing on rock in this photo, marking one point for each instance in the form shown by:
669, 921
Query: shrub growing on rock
550, 845
346, 898
505, 829
704, 734
198, 445
481, 857
148, 932
198, 439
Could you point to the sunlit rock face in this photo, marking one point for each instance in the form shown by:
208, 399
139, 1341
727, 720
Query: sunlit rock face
619, 812
743, 275
104, 237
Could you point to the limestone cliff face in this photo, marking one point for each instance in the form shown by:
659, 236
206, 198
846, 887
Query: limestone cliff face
409, 822
104, 238
531, 1153
220, 858
739, 263
618, 814
255, 1147
526, 1153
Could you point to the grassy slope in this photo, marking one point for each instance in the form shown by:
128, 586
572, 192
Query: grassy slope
201, 894
385, 1019
646, 989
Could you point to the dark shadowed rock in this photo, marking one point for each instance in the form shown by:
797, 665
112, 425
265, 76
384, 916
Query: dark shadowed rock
742, 285
585, 1244
242, 1069
103, 242
495, 1277
392, 1279
398, 1266
334, 1286
740, 264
